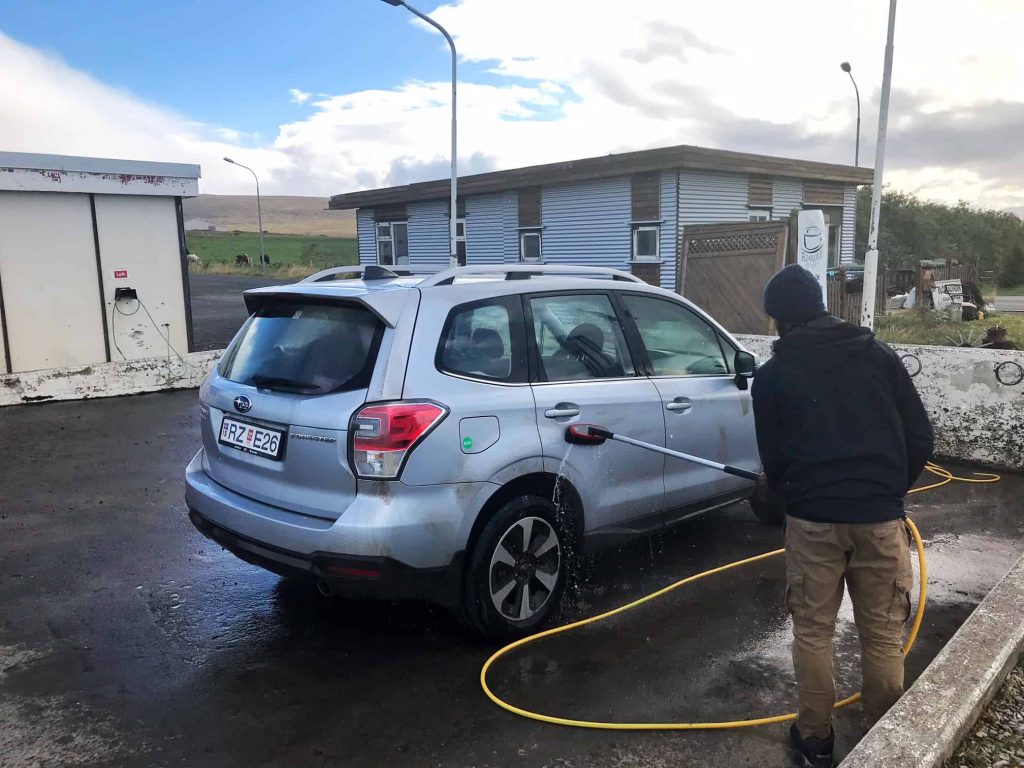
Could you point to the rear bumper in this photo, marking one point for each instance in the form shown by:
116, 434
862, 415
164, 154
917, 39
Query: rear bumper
393, 541
374, 577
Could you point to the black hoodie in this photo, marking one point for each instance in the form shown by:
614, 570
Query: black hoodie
841, 429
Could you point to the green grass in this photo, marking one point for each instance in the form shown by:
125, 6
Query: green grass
934, 329
289, 255
1011, 290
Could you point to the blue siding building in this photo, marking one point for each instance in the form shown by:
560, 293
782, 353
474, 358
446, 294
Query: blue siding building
627, 211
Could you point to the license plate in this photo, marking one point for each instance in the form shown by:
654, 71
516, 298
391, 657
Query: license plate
259, 441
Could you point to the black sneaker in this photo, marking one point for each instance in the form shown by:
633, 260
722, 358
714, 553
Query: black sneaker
813, 753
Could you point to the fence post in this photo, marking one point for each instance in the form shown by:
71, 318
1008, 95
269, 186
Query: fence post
841, 280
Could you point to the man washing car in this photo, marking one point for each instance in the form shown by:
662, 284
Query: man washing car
842, 435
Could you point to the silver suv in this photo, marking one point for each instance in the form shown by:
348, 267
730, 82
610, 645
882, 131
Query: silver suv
402, 437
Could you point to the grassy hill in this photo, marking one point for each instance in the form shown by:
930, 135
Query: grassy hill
281, 215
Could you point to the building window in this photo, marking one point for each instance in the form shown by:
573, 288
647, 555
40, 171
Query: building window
460, 240
763, 214
645, 242
835, 237
530, 246
392, 243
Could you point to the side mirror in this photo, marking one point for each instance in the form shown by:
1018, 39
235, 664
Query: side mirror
744, 364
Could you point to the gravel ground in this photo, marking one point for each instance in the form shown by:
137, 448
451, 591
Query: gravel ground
998, 737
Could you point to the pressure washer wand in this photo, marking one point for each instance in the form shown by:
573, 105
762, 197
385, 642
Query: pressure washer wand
591, 434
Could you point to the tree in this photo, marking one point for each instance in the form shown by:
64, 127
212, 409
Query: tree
1012, 271
914, 229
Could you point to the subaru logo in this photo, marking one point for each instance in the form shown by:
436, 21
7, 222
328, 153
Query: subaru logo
242, 404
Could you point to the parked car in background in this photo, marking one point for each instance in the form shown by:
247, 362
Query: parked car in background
402, 437
854, 274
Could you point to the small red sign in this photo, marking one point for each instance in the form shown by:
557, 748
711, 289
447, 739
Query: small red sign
120, 274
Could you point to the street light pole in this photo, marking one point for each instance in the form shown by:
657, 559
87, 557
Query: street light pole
259, 210
867, 311
453, 231
845, 66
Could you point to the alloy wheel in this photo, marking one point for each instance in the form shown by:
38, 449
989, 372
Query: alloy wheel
524, 568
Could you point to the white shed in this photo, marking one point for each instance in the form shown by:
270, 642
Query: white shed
92, 260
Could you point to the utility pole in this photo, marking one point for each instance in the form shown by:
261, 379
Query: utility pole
453, 228
867, 312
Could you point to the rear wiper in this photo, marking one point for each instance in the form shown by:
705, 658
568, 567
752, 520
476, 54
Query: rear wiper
276, 382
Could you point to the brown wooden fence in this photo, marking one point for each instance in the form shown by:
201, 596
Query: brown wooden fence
845, 294
723, 268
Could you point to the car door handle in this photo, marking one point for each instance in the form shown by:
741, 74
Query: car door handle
562, 411
680, 405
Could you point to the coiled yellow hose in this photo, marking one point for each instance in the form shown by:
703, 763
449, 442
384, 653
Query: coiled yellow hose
946, 477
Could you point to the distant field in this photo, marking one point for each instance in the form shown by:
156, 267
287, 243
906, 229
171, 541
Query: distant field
286, 215
290, 255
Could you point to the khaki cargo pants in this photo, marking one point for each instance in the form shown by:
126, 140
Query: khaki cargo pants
874, 560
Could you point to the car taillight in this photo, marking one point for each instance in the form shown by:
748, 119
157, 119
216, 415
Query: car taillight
382, 435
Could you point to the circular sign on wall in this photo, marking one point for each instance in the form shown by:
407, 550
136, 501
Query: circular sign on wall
1009, 373
912, 363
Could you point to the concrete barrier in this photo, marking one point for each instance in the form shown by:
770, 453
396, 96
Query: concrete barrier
129, 377
974, 397
925, 726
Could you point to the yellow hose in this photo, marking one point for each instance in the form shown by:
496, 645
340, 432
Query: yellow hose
947, 477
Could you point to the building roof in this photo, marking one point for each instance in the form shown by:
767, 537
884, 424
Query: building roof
29, 172
37, 162
680, 157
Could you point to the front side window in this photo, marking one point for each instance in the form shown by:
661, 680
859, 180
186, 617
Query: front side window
530, 246
310, 349
478, 342
579, 337
392, 243
678, 341
759, 214
645, 242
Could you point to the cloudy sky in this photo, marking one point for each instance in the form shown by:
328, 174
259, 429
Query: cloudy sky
353, 94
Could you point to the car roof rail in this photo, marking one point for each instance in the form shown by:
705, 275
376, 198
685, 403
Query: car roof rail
364, 271
526, 272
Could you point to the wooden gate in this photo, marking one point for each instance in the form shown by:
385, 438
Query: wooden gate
723, 269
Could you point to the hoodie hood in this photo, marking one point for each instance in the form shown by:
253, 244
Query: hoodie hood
824, 337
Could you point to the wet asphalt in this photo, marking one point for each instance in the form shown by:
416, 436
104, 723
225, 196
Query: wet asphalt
127, 639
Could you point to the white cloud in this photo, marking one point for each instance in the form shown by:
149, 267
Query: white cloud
578, 82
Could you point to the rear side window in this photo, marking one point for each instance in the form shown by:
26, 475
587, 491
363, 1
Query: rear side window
308, 348
483, 340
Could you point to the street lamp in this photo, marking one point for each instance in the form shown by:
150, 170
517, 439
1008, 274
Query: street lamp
259, 210
453, 239
845, 66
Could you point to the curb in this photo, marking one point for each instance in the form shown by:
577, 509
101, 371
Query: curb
121, 377
931, 719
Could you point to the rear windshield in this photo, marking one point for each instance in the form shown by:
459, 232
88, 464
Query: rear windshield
306, 348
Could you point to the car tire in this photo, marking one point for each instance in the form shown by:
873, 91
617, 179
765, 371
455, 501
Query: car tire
768, 506
517, 570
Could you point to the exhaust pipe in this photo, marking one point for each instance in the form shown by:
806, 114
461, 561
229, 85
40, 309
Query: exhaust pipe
324, 588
